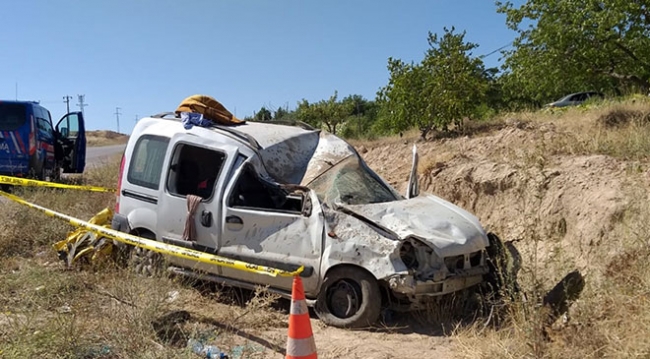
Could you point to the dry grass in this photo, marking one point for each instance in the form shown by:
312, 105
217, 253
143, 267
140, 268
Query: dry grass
47, 311
105, 138
620, 129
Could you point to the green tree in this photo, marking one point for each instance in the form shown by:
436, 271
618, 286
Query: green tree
281, 114
263, 115
444, 88
565, 46
330, 113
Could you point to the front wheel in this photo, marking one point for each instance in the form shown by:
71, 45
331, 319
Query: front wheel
349, 298
143, 261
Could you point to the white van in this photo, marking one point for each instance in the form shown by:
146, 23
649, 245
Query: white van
287, 196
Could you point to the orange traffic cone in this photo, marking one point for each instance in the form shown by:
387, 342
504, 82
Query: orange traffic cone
300, 341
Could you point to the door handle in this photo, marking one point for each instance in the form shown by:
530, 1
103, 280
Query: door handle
206, 218
234, 219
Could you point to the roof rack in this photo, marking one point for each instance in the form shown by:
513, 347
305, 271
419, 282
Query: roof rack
241, 135
295, 123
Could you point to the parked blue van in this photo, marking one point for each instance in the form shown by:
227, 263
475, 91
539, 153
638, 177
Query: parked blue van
31, 147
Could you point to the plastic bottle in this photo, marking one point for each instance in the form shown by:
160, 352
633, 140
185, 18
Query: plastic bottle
207, 351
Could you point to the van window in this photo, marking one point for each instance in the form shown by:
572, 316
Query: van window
42, 119
12, 116
146, 164
195, 171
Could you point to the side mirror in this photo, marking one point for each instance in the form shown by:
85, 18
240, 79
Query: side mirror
65, 132
307, 206
413, 189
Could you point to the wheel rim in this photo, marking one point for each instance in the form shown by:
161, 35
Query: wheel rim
343, 299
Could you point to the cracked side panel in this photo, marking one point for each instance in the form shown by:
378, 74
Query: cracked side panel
357, 244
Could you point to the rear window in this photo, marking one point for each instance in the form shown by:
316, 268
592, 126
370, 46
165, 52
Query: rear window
146, 164
12, 116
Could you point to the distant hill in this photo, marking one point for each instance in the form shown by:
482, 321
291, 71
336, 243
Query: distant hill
105, 138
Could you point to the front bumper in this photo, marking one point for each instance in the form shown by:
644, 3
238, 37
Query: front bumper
406, 285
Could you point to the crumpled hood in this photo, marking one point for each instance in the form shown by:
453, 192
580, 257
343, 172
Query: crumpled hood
449, 229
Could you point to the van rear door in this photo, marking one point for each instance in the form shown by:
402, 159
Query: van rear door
71, 137
14, 137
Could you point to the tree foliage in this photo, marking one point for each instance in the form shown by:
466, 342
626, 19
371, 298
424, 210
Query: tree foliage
577, 45
441, 90
263, 115
281, 114
329, 113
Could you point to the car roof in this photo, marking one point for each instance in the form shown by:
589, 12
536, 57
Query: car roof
31, 103
257, 135
291, 152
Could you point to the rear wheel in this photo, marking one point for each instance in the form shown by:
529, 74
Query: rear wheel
350, 297
42, 174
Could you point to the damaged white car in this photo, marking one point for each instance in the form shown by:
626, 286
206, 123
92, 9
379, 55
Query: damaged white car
287, 196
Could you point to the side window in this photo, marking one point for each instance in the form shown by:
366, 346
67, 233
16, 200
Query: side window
194, 171
146, 164
250, 191
69, 125
44, 125
12, 116
42, 117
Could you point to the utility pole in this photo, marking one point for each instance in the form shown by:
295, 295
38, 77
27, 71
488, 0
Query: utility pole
117, 116
136, 118
81, 103
67, 99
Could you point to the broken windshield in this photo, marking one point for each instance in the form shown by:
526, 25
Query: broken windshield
352, 182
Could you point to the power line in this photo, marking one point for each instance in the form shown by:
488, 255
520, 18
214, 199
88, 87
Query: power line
67, 99
81, 103
117, 116
497, 50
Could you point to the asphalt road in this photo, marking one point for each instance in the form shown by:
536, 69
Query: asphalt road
99, 155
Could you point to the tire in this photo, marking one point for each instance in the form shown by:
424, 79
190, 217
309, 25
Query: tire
56, 173
349, 298
143, 261
42, 173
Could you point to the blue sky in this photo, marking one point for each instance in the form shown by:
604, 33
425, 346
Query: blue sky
145, 56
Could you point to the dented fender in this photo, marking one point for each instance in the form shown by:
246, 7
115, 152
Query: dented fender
348, 241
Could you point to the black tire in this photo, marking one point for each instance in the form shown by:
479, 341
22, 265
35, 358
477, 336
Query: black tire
349, 298
42, 173
56, 173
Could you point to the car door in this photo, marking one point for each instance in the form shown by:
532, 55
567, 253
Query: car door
45, 137
195, 166
71, 138
259, 228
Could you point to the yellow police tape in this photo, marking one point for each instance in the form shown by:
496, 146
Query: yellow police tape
159, 247
17, 181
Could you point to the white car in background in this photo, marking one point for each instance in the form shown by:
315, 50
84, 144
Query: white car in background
575, 99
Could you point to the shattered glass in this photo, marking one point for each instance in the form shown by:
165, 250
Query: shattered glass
351, 182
